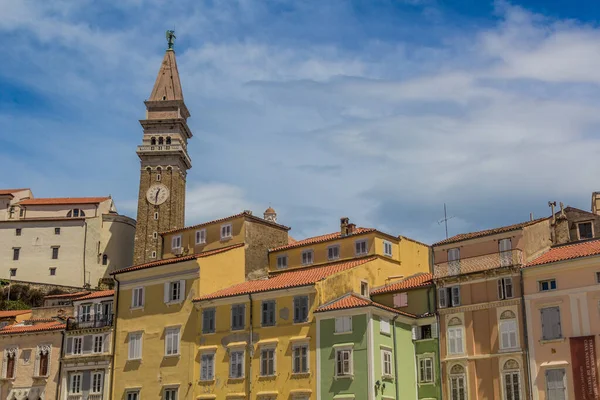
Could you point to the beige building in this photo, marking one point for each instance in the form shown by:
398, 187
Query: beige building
64, 241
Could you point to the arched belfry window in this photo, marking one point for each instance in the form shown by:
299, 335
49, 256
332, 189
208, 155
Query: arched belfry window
168, 139
160, 140
104, 259
153, 141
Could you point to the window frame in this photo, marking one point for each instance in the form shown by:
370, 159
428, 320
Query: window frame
234, 325
502, 285
141, 297
228, 228
560, 332
92, 379
176, 242
579, 229
422, 369
331, 249
172, 341
383, 321
270, 313
240, 360
388, 245
94, 340
549, 282
364, 287
138, 336
79, 375
300, 357
200, 236
458, 329
271, 361
77, 339
213, 311
57, 231
282, 261
511, 373
389, 363
132, 394
350, 372
55, 252
307, 253
16, 253
207, 377
361, 251
306, 303
504, 322
174, 393
349, 326
564, 381
465, 386
18, 231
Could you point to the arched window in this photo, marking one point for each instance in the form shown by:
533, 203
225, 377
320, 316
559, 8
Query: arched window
508, 315
153, 141
104, 259
75, 213
455, 337
508, 332
455, 322
168, 139
10, 363
42, 360
458, 383
160, 140
512, 380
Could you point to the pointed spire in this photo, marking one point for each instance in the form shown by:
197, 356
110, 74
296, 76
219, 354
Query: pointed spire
167, 85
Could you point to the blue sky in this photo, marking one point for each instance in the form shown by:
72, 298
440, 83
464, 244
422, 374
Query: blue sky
376, 110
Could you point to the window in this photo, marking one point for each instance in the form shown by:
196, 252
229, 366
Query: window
236, 364
85, 312
282, 262
21, 212
585, 230
300, 359
504, 249
386, 363
208, 320
384, 326
16, 253
133, 395
343, 324
449, 296
57, 231
546, 285
238, 317
55, 253
226, 231
135, 346
343, 358
99, 344
207, 367
18, 232
457, 384
10, 361
42, 359
360, 247
104, 259
508, 334
400, 299
75, 384
170, 394
13, 272
333, 252
75, 213
176, 242
597, 277
154, 235
52, 271
267, 362
307, 257
96, 382
424, 331
268, 313
78, 345
364, 289
161, 140
426, 370
156, 216
171, 341
455, 340
168, 140
201, 236
387, 248
137, 297
300, 309
551, 323
454, 261
174, 291
512, 380
555, 384
505, 288
153, 254
158, 177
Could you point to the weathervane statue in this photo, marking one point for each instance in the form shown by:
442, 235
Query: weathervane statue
171, 38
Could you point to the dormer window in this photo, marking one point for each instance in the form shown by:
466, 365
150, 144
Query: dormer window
75, 213
585, 230
226, 232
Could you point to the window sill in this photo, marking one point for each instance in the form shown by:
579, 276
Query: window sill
343, 377
301, 374
132, 360
206, 381
226, 239
388, 378
173, 302
388, 334
544, 341
423, 340
236, 379
342, 333
267, 377
426, 383
136, 308
300, 322
509, 350
172, 356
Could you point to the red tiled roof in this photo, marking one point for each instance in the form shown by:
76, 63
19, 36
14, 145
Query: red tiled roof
568, 252
176, 259
95, 295
322, 238
66, 295
48, 326
412, 282
63, 200
352, 300
13, 313
246, 214
286, 280
10, 191
473, 235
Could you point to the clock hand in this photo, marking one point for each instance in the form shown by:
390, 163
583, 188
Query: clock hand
157, 192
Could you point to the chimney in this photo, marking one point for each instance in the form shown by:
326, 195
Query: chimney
351, 228
561, 227
596, 203
552, 204
344, 226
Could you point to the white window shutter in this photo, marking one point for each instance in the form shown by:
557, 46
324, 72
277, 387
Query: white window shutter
414, 332
182, 289
434, 330
500, 290
338, 324
442, 297
106, 344
174, 242
36, 370
166, 292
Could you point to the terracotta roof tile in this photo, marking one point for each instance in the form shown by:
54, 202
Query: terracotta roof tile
13, 313
95, 295
412, 282
285, 280
66, 295
321, 238
352, 300
48, 326
10, 191
242, 214
568, 252
63, 200
176, 259
473, 235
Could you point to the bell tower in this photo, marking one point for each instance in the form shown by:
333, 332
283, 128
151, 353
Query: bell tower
164, 161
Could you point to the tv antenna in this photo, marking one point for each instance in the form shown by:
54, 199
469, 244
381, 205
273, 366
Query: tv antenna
445, 220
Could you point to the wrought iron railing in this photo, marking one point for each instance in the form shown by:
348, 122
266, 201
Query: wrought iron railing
510, 258
90, 321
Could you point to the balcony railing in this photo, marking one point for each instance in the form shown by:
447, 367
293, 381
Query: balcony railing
91, 321
510, 258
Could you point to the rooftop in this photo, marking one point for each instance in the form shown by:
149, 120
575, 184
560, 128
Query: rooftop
175, 260
568, 252
11, 191
66, 295
285, 280
322, 238
412, 282
96, 295
352, 300
46, 326
487, 232
63, 201
216, 221
13, 313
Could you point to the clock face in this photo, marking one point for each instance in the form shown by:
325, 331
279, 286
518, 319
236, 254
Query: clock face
157, 194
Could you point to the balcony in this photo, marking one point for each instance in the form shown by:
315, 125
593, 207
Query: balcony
504, 259
91, 321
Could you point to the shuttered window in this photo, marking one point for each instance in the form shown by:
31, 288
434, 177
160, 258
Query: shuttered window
135, 346
426, 370
268, 313
343, 324
551, 323
236, 364
238, 317
508, 334
267, 362
174, 291
207, 367
171, 341
455, 340
300, 359
208, 320
300, 309
555, 384
505, 288
343, 362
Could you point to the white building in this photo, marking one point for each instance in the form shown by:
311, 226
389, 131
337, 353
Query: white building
62, 241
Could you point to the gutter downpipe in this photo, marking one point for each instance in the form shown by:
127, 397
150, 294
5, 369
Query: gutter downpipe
114, 340
396, 358
60, 363
84, 248
525, 336
251, 349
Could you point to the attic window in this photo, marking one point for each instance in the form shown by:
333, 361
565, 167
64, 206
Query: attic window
164, 97
585, 230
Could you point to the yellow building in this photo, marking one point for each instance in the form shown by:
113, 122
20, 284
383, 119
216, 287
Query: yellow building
258, 338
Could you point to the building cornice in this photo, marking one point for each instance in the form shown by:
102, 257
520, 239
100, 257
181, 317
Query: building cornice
479, 306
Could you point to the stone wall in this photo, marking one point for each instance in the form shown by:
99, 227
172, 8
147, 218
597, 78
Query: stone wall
260, 238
